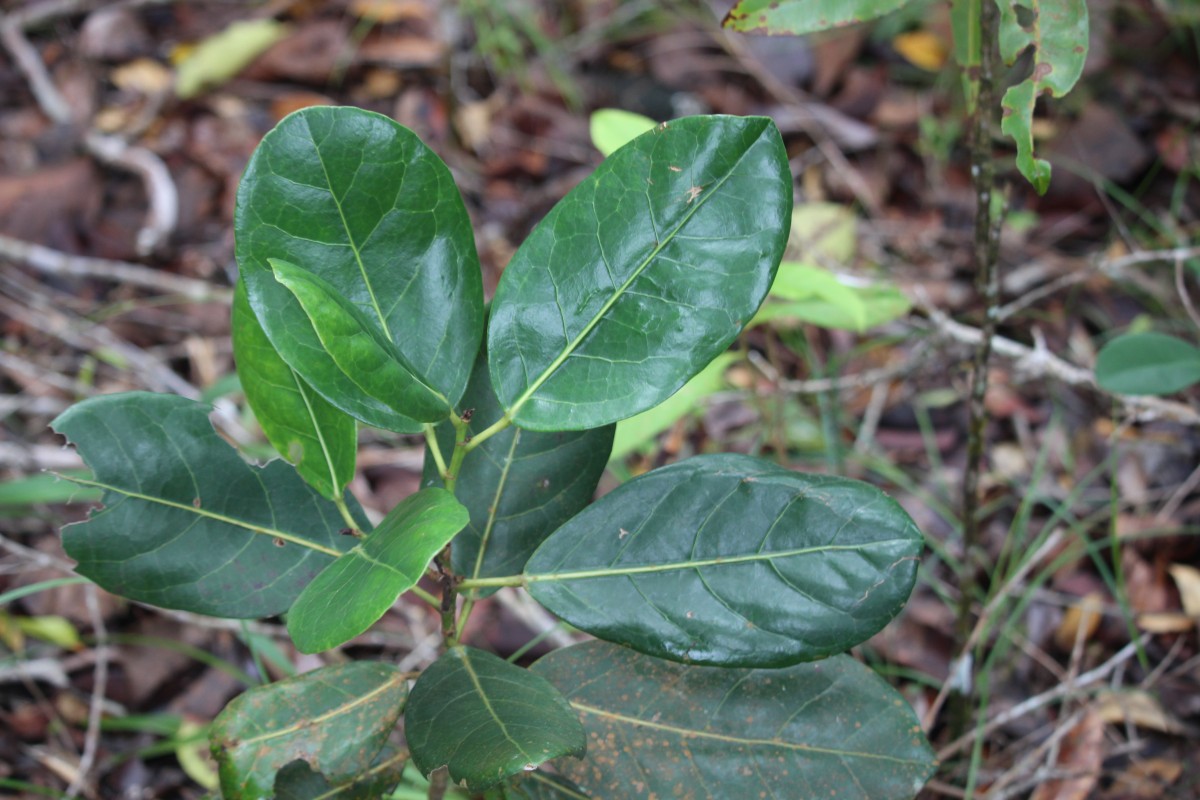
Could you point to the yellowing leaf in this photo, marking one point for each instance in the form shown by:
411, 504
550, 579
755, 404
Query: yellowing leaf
1188, 580
922, 49
220, 57
50, 628
144, 75
1080, 620
611, 128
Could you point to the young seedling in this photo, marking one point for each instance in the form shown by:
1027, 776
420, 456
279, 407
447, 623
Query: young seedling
723, 590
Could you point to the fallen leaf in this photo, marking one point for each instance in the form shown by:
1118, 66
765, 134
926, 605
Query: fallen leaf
1081, 619
1188, 580
142, 75
1165, 622
220, 57
1138, 707
1082, 753
1147, 779
923, 49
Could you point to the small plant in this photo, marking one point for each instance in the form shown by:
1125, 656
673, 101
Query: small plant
723, 589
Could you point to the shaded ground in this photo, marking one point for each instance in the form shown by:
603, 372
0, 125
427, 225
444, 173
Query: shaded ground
1087, 641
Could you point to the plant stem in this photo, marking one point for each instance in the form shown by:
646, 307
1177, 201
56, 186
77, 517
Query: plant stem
488, 432
428, 597
434, 450
344, 510
986, 250
483, 583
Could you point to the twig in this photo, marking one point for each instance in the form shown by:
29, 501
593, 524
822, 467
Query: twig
99, 687
1181, 287
58, 263
860, 380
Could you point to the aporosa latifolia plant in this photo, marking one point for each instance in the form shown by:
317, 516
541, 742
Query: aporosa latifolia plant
722, 590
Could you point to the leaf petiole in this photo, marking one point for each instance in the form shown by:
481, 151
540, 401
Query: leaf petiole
487, 433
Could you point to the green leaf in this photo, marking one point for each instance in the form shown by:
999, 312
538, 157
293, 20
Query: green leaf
298, 780
965, 20
1147, 363
641, 275
519, 485
636, 431
317, 438
819, 297
1058, 35
218, 58
186, 523
798, 17
829, 729
336, 719
360, 202
368, 362
611, 128
537, 785
352, 593
823, 234
730, 560
486, 719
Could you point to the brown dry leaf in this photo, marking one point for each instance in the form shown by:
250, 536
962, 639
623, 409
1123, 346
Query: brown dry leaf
1165, 622
924, 49
388, 11
142, 75
1147, 779
1139, 707
1081, 619
1188, 580
1082, 751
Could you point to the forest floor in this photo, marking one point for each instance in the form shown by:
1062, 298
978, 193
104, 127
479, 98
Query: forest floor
116, 268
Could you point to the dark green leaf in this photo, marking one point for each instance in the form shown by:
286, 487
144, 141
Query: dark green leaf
187, 523
1059, 38
518, 485
317, 438
798, 17
298, 780
730, 560
352, 593
536, 785
337, 719
358, 200
486, 719
829, 729
1147, 363
369, 363
641, 275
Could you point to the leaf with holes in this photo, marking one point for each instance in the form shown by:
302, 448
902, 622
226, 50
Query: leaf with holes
830, 729
518, 485
336, 719
360, 202
298, 780
352, 593
730, 560
641, 275
486, 719
1057, 32
317, 438
798, 17
186, 523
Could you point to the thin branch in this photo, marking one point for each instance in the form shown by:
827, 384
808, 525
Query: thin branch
91, 740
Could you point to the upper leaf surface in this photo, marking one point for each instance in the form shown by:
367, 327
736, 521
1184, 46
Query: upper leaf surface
518, 485
361, 202
298, 781
187, 523
352, 593
829, 729
1147, 363
642, 274
486, 719
337, 719
302, 426
799, 17
730, 560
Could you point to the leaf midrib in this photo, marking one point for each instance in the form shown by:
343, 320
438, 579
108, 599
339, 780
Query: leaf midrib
546, 577
483, 697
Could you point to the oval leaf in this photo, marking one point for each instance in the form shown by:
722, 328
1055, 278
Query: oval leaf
798, 17
518, 485
352, 593
367, 360
359, 201
318, 439
830, 729
486, 719
641, 275
730, 560
335, 719
612, 128
187, 523
1147, 363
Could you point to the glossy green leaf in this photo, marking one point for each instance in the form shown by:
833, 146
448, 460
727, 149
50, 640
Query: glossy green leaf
336, 719
352, 593
537, 785
368, 362
186, 523
641, 275
298, 780
639, 430
486, 719
360, 202
829, 729
798, 17
518, 485
1058, 34
731, 560
318, 439
611, 128
1147, 363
